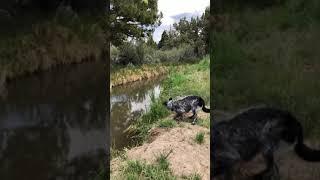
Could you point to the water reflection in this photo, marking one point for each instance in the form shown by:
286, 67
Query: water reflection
127, 103
53, 124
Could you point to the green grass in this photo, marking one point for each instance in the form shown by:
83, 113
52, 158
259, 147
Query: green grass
199, 138
167, 123
189, 79
204, 122
135, 170
194, 176
142, 126
269, 57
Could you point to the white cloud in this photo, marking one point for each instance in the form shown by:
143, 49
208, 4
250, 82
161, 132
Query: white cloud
171, 8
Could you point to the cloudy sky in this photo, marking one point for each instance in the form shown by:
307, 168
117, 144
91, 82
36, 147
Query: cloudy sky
173, 10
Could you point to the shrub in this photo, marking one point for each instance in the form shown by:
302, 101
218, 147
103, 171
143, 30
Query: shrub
114, 53
128, 54
140, 53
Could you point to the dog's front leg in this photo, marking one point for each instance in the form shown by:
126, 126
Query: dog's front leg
178, 117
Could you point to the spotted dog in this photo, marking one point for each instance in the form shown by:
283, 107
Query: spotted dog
255, 131
184, 105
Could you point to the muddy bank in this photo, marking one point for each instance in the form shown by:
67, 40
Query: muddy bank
185, 156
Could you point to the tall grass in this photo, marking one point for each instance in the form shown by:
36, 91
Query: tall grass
136, 73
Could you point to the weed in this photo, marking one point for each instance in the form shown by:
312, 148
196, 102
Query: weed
199, 137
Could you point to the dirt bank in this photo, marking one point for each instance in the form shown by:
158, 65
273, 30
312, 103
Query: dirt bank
129, 75
185, 156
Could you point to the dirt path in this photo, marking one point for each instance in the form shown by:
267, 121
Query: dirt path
186, 157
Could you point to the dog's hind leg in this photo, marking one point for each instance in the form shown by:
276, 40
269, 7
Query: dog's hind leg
269, 174
194, 116
194, 120
272, 171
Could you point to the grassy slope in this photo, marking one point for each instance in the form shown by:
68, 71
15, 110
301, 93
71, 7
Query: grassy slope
182, 80
269, 57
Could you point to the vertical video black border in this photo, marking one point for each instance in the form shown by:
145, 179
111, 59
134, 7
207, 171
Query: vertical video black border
211, 46
107, 83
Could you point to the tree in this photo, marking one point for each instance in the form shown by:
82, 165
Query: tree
135, 19
205, 28
150, 42
193, 32
163, 43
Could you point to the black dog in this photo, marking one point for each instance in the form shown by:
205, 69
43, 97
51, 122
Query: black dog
257, 130
186, 104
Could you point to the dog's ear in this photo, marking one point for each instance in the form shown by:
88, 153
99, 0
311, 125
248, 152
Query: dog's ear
170, 99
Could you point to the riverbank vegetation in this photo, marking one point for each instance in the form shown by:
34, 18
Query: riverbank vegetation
186, 80
39, 36
136, 73
266, 52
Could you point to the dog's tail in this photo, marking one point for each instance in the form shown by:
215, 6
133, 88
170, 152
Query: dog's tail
304, 151
295, 134
202, 104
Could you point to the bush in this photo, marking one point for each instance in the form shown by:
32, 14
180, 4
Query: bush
141, 53
114, 53
128, 54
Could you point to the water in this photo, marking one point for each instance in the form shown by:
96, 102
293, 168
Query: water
53, 124
128, 102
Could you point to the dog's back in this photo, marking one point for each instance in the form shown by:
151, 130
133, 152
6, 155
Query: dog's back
253, 131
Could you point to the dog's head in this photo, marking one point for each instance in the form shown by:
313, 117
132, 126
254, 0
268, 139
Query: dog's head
168, 104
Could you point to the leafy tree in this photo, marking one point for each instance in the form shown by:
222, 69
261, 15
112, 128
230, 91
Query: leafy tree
132, 18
